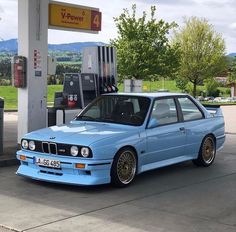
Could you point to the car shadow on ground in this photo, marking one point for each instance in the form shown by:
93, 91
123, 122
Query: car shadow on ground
144, 180
49, 201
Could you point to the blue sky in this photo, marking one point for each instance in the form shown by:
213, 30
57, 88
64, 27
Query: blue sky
220, 13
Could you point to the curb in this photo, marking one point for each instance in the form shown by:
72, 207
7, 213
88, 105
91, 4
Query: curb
8, 162
8, 157
230, 133
10, 110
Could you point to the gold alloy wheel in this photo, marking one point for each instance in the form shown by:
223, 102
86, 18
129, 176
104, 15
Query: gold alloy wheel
208, 150
126, 167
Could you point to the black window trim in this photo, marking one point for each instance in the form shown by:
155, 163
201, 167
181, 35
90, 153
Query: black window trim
181, 112
179, 119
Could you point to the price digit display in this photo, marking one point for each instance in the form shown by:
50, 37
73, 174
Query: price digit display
96, 20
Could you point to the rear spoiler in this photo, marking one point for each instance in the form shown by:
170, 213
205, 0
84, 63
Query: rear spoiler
214, 110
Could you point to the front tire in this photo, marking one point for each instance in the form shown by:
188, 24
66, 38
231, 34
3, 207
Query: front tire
207, 152
123, 168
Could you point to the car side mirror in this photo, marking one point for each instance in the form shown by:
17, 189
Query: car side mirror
153, 123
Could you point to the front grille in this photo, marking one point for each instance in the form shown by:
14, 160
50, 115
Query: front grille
49, 148
45, 147
63, 149
51, 173
53, 148
38, 146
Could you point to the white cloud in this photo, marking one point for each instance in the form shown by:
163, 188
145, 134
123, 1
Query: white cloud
8, 22
232, 26
220, 13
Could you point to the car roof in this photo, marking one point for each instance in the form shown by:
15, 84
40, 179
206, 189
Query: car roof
150, 95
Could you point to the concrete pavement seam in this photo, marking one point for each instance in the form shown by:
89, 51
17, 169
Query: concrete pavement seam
128, 201
9, 228
196, 217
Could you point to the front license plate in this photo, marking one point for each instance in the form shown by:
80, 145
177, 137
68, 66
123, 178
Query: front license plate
47, 162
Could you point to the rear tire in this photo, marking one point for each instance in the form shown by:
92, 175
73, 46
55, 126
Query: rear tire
123, 168
207, 152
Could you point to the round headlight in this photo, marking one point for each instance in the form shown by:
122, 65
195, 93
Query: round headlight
32, 145
24, 144
74, 150
84, 152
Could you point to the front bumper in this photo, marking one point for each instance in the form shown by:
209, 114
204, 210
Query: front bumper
95, 172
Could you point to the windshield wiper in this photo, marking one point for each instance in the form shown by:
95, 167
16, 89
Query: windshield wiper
107, 119
85, 117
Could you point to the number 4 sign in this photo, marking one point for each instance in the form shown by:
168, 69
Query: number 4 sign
96, 20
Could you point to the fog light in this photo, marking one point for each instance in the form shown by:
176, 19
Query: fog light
22, 157
80, 165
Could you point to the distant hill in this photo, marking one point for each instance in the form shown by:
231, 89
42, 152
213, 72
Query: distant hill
8, 45
73, 46
11, 46
232, 54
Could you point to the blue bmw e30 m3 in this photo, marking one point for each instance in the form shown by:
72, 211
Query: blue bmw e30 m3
120, 135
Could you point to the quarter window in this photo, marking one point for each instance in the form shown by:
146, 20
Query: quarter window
189, 109
164, 111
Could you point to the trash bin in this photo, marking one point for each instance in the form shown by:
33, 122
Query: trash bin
1, 124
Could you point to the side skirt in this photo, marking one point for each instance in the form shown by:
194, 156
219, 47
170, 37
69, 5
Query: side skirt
164, 163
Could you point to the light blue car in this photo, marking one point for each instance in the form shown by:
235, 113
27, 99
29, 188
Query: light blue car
118, 136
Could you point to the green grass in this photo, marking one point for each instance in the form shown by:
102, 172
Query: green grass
218, 103
9, 93
51, 90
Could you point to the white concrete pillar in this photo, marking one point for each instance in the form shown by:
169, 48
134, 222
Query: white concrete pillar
232, 91
33, 44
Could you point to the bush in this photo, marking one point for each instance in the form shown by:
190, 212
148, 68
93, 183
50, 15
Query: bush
5, 82
181, 84
189, 89
228, 91
212, 88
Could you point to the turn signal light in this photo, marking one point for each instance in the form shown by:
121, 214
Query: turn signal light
80, 165
22, 157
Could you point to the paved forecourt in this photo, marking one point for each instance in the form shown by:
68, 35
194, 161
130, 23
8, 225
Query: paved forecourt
177, 198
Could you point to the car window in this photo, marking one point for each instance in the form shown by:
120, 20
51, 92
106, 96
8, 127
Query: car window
164, 111
189, 109
130, 110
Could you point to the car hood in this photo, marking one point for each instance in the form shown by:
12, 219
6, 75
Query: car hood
81, 133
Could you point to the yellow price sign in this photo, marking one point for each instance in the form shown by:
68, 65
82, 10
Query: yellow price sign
73, 17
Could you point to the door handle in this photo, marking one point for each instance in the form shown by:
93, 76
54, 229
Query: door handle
182, 129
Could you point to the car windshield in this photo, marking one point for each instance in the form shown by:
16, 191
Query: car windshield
129, 110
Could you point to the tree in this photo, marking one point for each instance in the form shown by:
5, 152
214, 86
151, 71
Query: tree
143, 49
232, 73
202, 51
5, 68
